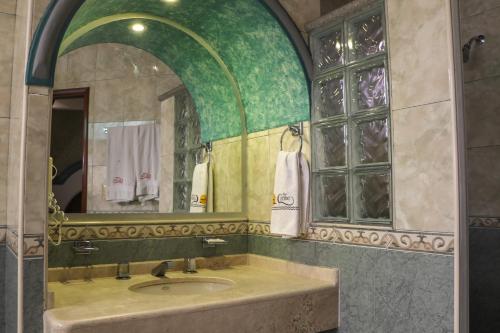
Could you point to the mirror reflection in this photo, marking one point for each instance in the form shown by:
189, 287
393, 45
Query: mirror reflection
127, 138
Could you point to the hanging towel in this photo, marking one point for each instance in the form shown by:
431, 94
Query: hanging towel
290, 209
199, 189
147, 162
120, 164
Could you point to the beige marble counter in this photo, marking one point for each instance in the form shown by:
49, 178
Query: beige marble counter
267, 294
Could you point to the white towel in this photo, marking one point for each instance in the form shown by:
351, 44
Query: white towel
290, 209
199, 188
120, 164
147, 162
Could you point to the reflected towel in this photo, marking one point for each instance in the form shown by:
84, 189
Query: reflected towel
290, 209
199, 189
120, 164
147, 162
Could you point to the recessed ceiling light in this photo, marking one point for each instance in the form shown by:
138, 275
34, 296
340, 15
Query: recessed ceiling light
170, 1
137, 27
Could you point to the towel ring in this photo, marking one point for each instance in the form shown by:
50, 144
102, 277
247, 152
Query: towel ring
294, 132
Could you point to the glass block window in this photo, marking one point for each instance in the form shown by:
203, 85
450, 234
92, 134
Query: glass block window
351, 122
188, 149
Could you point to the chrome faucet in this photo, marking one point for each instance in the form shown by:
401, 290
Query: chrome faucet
161, 269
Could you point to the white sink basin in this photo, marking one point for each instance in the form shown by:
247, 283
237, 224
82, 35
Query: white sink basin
182, 286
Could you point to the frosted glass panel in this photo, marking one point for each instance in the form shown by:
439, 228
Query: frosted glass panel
181, 166
373, 196
366, 37
182, 194
330, 142
369, 88
329, 97
330, 51
332, 196
372, 141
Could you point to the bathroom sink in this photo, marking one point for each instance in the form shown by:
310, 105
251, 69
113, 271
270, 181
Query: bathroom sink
182, 286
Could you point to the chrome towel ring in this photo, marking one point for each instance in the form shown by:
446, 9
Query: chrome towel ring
295, 130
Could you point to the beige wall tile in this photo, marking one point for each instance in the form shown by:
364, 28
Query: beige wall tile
234, 184
5, 101
61, 72
482, 111
474, 7
4, 159
116, 61
483, 181
82, 64
37, 152
259, 183
7, 25
484, 60
141, 100
226, 158
14, 171
418, 51
8, 6
109, 102
424, 168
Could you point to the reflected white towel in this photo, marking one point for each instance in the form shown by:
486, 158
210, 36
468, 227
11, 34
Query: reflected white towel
147, 162
120, 164
199, 189
290, 209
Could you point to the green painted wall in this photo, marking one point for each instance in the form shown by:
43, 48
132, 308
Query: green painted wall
248, 39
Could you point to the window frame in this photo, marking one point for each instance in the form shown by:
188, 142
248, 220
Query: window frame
351, 118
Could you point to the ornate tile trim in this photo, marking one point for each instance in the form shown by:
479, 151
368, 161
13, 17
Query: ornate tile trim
11, 240
396, 240
484, 222
33, 244
152, 230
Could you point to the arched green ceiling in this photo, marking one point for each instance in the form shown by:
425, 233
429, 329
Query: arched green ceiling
238, 36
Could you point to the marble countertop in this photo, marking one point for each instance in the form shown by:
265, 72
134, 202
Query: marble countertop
107, 298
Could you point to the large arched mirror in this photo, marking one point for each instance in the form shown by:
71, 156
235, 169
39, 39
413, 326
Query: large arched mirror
127, 137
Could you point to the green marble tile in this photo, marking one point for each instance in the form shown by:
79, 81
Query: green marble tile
380, 290
136, 250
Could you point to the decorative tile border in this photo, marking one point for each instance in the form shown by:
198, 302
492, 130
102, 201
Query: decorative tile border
11, 240
152, 230
33, 244
484, 222
396, 240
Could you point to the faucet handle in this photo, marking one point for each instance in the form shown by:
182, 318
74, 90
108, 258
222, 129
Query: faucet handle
161, 269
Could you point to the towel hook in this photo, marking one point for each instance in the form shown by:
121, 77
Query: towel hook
295, 130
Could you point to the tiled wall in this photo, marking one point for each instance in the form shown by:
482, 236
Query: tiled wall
2, 285
388, 290
376, 281
7, 30
124, 83
380, 290
136, 250
424, 161
482, 120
